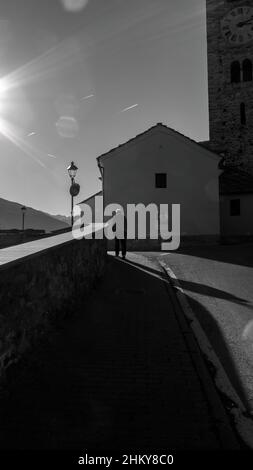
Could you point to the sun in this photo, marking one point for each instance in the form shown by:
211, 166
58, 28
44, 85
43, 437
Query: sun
46, 65
9, 130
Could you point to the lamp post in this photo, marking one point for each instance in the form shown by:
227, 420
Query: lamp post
74, 188
23, 210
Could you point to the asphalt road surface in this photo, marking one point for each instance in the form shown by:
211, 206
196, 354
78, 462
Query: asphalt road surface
219, 284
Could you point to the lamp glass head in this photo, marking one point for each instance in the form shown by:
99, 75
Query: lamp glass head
72, 170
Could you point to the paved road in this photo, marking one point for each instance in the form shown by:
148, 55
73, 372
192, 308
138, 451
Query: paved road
219, 284
124, 373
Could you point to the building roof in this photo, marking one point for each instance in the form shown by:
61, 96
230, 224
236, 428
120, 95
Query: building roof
209, 145
205, 143
159, 125
236, 181
99, 193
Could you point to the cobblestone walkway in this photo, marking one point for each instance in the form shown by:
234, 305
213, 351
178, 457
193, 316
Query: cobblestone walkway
124, 373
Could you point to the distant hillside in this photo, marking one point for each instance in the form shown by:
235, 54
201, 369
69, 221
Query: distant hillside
11, 217
63, 218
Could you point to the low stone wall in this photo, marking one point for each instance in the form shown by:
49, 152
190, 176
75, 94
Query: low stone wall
42, 287
11, 239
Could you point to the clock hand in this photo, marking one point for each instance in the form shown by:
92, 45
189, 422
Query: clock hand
242, 23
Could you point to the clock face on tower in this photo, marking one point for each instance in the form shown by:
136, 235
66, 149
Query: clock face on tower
237, 26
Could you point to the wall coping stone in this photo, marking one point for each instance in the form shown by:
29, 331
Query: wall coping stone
16, 254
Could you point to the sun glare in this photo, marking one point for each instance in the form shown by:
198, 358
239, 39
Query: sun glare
43, 66
3, 86
14, 134
3, 93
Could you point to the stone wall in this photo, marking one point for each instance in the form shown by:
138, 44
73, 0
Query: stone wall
227, 134
41, 289
15, 238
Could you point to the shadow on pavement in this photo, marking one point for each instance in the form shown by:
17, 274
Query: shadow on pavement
202, 289
209, 325
218, 342
209, 291
234, 254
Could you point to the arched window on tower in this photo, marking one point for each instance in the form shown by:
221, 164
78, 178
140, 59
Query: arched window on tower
243, 114
235, 72
247, 70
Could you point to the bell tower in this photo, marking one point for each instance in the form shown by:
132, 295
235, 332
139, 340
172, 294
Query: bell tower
230, 79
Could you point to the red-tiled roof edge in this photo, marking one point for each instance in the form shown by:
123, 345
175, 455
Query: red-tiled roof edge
165, 127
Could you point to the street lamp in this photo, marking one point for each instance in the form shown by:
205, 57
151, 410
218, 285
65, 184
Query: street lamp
74, 188
72, 170
23, 210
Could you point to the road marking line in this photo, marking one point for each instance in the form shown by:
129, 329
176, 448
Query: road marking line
241, 417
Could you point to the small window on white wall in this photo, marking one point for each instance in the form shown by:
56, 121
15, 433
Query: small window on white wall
161, 180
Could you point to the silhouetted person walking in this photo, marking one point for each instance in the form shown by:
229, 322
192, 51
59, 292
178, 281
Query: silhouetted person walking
120, 227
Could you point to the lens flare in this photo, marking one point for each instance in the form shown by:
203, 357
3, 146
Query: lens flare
14, 134
67, 126
12, 98
48, 64
74, 5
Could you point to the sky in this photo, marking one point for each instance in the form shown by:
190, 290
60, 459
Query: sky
79, 77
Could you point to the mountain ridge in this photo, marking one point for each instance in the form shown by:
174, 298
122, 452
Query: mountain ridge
11, 218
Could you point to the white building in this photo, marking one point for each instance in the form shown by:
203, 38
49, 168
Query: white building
162, 166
